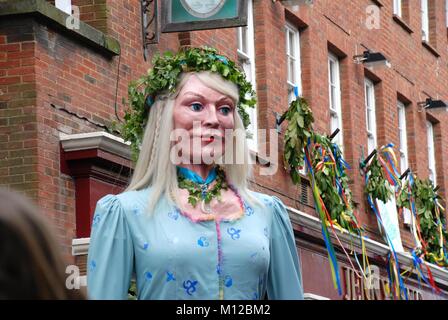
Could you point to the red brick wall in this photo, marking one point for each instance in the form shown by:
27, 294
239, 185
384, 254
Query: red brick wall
93, 12
18, 121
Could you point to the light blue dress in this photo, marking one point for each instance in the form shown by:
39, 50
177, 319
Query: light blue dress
174, 258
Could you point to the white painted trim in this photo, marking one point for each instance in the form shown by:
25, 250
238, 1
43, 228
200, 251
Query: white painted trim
425, 19
80, 246
248, 60
431, 153
446, 13
312, 296
95, 140
402, 130
297, 72
338, 98
397, 7
371, 135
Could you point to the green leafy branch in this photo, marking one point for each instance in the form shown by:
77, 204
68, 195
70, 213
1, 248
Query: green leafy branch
339, 210
425, 198
300, 119
377, 185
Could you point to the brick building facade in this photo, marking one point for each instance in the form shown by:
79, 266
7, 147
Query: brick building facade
60, 90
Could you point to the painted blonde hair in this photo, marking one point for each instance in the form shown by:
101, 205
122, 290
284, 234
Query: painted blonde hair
154, 168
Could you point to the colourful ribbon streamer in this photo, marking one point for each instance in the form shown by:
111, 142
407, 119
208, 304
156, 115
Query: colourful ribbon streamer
318, 205
391, 173
420, 243
328, 158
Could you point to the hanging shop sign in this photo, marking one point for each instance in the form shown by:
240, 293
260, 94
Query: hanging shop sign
189, 15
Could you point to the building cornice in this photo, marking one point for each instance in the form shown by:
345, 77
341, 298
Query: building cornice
95, 140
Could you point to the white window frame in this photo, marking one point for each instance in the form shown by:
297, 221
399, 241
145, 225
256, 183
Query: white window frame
425, 20
431, 153
446, 12
370, 121
397, 8
247, 58
335, 106
402, 133
64, 5
291, 31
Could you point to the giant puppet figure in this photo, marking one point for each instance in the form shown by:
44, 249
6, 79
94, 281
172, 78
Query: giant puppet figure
187, 226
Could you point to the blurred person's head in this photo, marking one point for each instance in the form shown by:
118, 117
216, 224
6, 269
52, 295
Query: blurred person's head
31, 263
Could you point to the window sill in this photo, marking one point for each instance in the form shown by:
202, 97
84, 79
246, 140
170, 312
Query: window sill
379, 3
255, 156
402, 23
54, 16
430, 48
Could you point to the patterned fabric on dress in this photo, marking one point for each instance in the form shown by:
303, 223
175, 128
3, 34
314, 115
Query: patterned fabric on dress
172, 257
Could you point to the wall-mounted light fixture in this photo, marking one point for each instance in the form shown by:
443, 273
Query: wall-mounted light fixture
371, 59
429, 103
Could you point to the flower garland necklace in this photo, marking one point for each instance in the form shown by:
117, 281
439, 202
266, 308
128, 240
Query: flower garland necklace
199, 192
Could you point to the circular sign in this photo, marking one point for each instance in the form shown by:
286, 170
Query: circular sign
202, 8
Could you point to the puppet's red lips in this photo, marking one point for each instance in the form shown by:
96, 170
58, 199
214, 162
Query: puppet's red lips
210, 138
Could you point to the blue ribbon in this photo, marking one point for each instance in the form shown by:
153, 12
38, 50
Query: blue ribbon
341, 165
149, 101
331, 253
222, 59
326, 236
417, 261
194, 177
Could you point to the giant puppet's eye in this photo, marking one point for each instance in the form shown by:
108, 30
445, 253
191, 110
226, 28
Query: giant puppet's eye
225, 110
196, 106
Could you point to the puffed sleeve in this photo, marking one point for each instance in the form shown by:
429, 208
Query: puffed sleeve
284, 277
111, 254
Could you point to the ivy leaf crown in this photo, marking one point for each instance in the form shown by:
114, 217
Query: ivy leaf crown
163, 77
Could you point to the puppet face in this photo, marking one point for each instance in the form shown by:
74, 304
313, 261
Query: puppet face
205, 114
